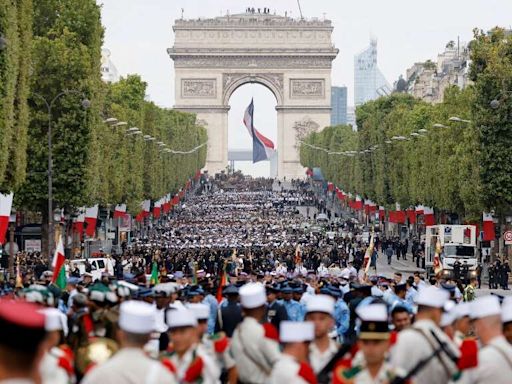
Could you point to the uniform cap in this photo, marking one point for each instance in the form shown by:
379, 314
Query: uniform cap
52, 319
181, 317
252, 295
200, 311
462, 310
320, 303
506, 310
432, 297
136, 317
374, 322
485, 306
21, 325
296, 332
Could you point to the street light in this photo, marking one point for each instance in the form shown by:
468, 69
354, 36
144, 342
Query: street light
422, 130
110, 120
49, 105
457, 119
437, 125
120, 124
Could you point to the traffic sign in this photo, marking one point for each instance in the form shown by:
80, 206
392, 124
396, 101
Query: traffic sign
507, 236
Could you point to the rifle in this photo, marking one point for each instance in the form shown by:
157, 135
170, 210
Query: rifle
323, 375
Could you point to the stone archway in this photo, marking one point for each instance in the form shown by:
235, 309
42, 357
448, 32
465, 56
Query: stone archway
292, 58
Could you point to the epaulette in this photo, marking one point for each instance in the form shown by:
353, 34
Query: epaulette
271, 332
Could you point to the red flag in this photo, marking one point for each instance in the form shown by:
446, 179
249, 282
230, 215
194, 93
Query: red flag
382, 213
5, 213
330, 186
146, 207
222, 284
140, 217
488, 227
411, 215
358, 204
59, 272
91, 217
156, 209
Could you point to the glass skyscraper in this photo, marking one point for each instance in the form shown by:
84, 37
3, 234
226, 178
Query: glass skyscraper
369, 83
338, 105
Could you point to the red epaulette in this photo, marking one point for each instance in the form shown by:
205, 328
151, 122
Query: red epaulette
221, 344
307, 373
271, 332
468, 354
167, 363
194, 371
393, 337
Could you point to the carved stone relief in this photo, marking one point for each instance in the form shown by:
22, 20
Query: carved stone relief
276, 79
201, 88
255, 62
306, 88
303, 128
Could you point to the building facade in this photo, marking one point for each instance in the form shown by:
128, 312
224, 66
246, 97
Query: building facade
428, 80
369, 82
108, 70
338, 105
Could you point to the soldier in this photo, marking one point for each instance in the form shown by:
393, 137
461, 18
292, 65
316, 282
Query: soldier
462, 324
254, 346
470, 290
22, 336
217, 345
189, 362
130, 364
293, 308
292, 366
424, 338
495, 358
320, 311
276, 312
506, 318
373, 342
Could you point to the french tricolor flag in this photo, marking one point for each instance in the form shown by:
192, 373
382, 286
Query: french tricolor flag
5, 213
262, 147
91, 217
119, 211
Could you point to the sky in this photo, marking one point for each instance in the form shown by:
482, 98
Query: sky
138, 32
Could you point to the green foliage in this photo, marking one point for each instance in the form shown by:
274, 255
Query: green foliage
491, 70
440, 169
15, 26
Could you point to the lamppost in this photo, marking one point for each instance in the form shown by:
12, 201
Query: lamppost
49, 105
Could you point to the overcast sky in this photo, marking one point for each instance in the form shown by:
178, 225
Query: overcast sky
138, 32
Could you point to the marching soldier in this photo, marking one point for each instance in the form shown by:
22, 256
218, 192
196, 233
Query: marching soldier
254, 346
217, 345
22, 336
495, 358
320, 311
130, 364
292, 366
506, 318
424, 343
373, 342
190, 363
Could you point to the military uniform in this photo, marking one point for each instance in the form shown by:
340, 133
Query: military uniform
130, 365
318, 359
361, 375
288, 370
56, 367
495, 363
195, 366
276, 313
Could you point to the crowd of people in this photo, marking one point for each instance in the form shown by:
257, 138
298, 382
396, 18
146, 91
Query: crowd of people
253, 281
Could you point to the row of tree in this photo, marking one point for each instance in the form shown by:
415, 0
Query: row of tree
51, 46
458, 156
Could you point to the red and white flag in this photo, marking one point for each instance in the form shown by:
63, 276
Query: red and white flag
428, 216
488, 227
382, 213
358, 203
157, 208
5, 213
78, 222
59, 272
146, 207
419, 209
91, 217
119, 211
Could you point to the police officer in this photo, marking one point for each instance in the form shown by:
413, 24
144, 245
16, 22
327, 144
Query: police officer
130, 364
293, 308
229, 312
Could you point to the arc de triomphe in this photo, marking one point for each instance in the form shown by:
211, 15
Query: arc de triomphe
213, 57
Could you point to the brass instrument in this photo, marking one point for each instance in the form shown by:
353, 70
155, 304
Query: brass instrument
96, 352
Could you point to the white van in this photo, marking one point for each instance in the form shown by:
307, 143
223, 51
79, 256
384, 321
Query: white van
99, 265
